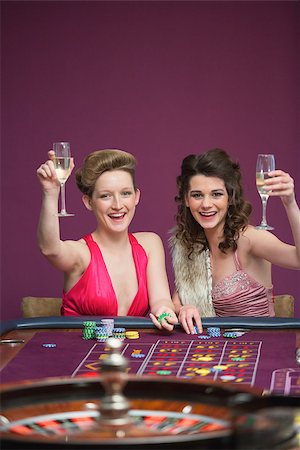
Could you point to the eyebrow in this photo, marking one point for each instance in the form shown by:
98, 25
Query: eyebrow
214, 190
125, 188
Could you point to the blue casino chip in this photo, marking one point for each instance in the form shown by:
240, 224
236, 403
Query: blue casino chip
214, 331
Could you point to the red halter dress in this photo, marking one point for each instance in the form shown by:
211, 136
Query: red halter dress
94, 295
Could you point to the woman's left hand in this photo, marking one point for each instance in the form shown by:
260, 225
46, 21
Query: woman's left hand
164, 318
281, 184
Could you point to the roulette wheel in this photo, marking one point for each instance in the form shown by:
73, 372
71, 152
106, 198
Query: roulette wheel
116, 411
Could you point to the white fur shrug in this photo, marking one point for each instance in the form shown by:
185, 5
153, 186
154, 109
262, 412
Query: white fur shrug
193, 279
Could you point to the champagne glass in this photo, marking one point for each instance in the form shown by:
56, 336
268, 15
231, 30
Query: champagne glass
265, 163
62, 163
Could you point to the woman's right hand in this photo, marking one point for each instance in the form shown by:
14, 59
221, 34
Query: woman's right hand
189, 317
47, 175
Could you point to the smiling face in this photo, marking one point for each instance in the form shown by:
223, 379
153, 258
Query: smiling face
208, 201
113, 200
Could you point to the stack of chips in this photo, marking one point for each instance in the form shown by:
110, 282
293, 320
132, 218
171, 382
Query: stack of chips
211, 332
214, 331
230, 334
109, 324
163, 316
118, 333
132, 335
298, 362
235, 332
138, 355
101, 333
89, 328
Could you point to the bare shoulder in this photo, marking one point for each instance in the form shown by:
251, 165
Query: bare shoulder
257, 242
80, 244
147, 236
255, 236
78, 248
148, 239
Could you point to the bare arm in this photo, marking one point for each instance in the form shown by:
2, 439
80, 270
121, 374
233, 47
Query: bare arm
282, 185
158, 287
176, 301
268, 246
62, 254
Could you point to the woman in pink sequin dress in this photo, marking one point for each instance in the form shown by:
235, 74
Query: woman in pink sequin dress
222, 264
109, 272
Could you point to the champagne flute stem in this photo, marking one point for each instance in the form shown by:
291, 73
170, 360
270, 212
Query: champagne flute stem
264, 200
63, 199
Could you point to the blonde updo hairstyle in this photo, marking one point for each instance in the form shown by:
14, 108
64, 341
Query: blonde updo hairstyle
100, 161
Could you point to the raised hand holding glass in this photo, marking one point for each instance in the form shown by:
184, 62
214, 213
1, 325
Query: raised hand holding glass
62, 163
265, 163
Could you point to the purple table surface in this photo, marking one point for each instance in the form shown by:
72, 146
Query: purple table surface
265, 360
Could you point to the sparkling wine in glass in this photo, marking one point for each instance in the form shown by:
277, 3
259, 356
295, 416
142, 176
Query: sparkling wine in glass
62, 163
265, 163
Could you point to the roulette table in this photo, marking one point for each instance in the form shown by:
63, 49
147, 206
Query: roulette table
238, 390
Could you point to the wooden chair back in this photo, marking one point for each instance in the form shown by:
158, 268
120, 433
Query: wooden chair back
50, 306
41, 306
284, 305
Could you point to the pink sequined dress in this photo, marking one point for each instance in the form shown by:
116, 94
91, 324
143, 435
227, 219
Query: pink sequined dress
240, 295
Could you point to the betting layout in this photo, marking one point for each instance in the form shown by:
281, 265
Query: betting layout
233, 360
245, 359
229, 361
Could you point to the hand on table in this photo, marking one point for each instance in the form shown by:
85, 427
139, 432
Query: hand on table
189, 317
164, 318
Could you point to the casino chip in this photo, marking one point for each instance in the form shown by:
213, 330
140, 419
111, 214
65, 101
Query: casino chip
109, 324
244, 330
119, 333
203, 372
132, 334
163, 316
298, 357
239, 331
219, 368
227, 377
101, 334
204, 358
89, 329
214, 331
229, 334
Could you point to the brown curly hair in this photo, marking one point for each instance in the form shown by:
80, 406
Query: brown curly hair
213, 163
100, 161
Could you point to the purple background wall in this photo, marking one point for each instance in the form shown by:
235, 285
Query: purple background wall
159, 79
